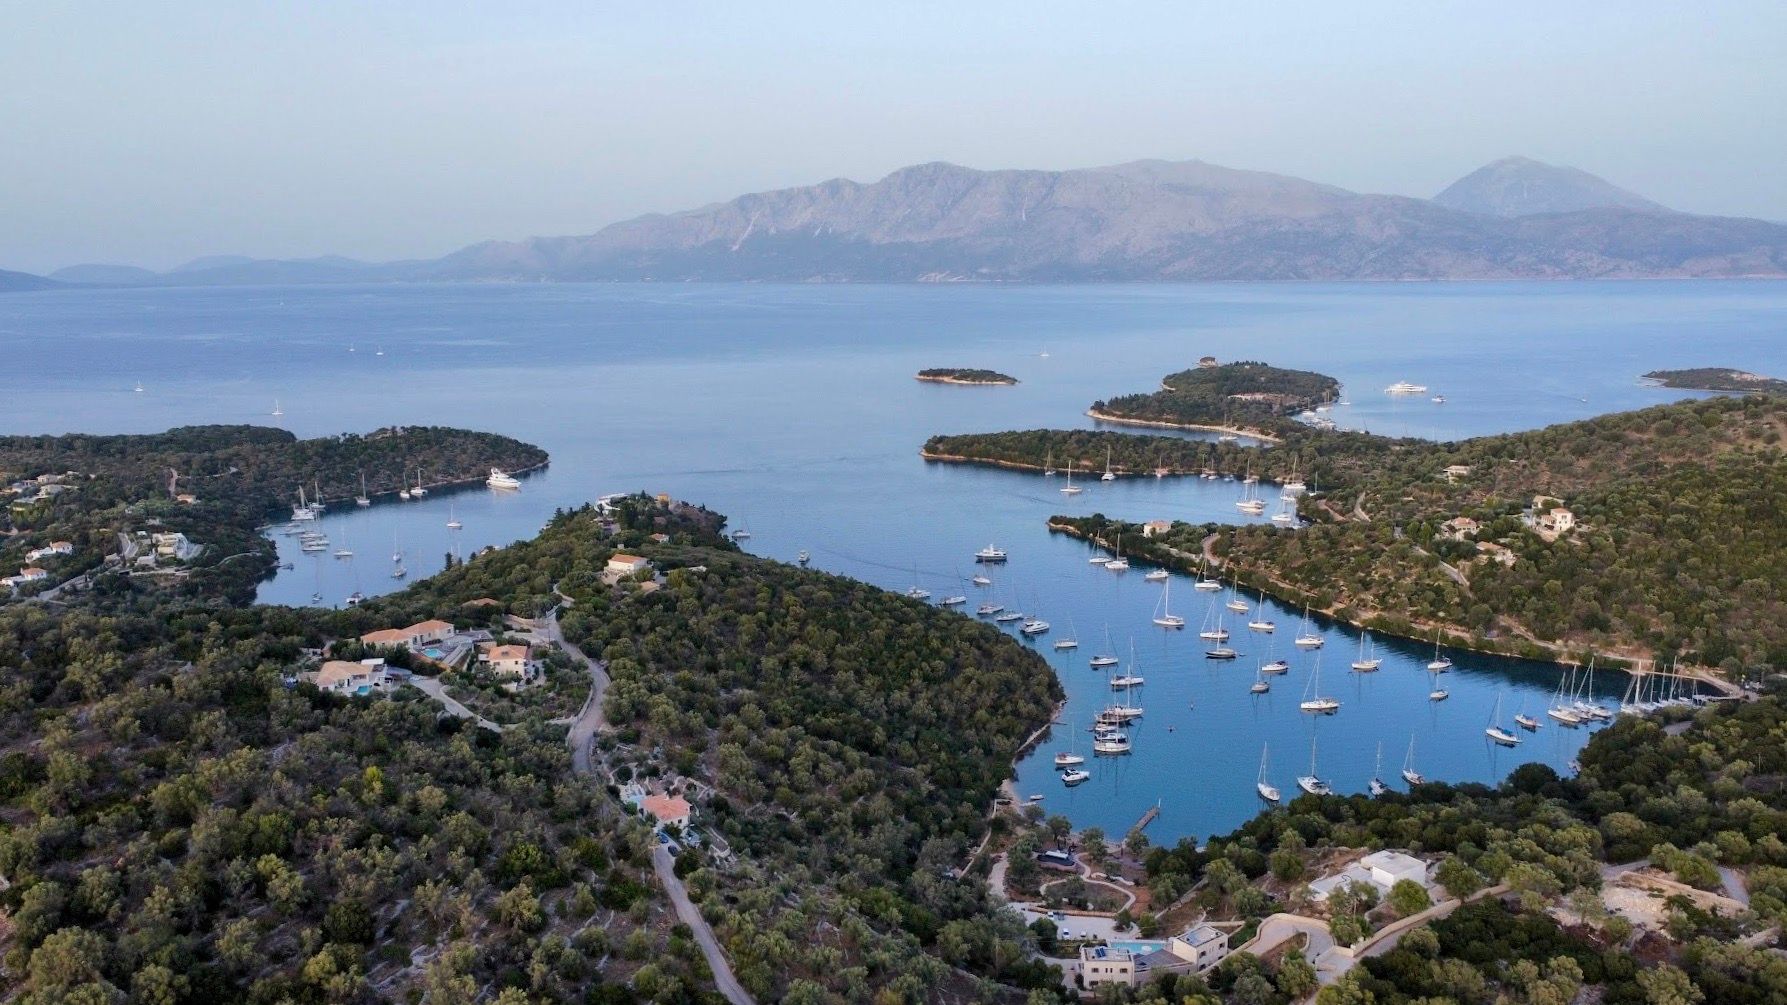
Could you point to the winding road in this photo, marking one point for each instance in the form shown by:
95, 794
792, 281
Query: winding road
579, 737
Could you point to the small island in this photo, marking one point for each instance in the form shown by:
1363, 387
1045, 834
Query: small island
1717, 378
963, 375
1247, 398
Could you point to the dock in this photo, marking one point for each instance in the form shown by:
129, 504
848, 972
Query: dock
1148, 817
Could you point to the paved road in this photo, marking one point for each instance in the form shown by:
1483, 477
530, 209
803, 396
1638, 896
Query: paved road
589, 720
432, 687
686, 910
583, 730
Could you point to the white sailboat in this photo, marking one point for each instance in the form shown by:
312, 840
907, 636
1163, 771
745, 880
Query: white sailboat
1119, 563
1260, 622
1204, 583
1070, 489
1313, 699
453, 519
1495, 731
1409, 774
1312, 783
362, 500
1267, 790
1438, 693
1307, 636
1236, 604
1048, 464
1212, 629
1377, 786
1156, 575
1259, 686
915, 591
1073, 637
1108, 476
277, 411
1560, 708
1108, 657
419, 491
1068, 758
1164, 616
1440, 664
1366, 664
1250, 501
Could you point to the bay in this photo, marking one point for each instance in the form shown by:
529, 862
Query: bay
793, 410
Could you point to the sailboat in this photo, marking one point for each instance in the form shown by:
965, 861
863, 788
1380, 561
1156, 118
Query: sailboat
1307, 636
361, 500
1204, 584
1377, 786
1156, 575
953, 600
1106, 658
139, 390
1069, 758
1313, 699
1108, 476
1267, 790
1530, 723
452, 519
1260, 622
1073, 638
1250, 501
404, 492
344, 551
1212, 629
1070, 489
1048, 464
1583, 706
1495, 731
1125, 681
1164, 617
1559, 710
980, 580
1438, 693
915, 591
1118, 564
418, 492
1365, 664
1236, 604
1440, 664
1409, 774
397, 569
1311, 783
303, 511
277, 411
1259, 685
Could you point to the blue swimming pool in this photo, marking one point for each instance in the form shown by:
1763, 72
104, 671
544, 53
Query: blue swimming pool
434, 652
1140, 948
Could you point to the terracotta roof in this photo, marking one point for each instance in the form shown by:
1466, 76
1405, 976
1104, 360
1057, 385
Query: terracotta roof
431, 625
336, 671
666, 808
499, 653
482, 602
625, 558
385, 637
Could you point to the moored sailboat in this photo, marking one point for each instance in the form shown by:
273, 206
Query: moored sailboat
1267, 790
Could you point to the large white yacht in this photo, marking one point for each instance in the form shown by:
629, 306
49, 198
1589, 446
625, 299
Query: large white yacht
500, 479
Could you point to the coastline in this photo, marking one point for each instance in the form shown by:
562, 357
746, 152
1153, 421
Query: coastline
1252, 434
1456, 637
1021, 466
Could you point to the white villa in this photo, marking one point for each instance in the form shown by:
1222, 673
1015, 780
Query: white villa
625, 565
1107, 965
1380, 869
1202, 946
51, 550
350, 678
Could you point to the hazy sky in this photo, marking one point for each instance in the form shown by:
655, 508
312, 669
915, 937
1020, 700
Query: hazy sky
152, 133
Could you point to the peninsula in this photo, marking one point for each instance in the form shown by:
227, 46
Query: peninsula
958, 375
495, 825
1715, 378
1250, 399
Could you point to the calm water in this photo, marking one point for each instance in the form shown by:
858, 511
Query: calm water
793, 409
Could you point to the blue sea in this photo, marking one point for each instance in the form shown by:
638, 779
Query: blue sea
793, 410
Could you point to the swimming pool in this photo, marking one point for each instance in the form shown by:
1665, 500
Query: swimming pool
1140, 948
434, 652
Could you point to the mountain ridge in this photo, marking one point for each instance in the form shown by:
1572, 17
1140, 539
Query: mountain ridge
1139, 221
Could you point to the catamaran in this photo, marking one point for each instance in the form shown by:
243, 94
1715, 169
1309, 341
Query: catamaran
1307, 636
1164, 617
1313, 699
1366, 664
1377, 786
1267, 790
1409, 774
1312, 783
1439, 664
1496, 731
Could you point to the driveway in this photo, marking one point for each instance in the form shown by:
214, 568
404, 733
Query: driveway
687, 912
433, 688
589, 719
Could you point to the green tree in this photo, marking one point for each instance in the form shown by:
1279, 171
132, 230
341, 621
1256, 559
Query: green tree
1409, 897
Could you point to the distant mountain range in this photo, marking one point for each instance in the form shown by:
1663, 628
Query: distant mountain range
1143, 221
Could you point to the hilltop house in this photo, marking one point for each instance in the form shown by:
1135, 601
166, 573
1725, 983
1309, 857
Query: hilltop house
1202, 946
513, 661
622, 564
1459, 527
668, 811
1557, 520
53, 549
1155, 528
174, 546
349, 678
1380, 869
1107, 965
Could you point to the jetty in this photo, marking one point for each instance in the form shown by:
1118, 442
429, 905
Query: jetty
1148, 817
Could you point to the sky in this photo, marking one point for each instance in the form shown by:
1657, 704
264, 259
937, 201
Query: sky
150, 134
